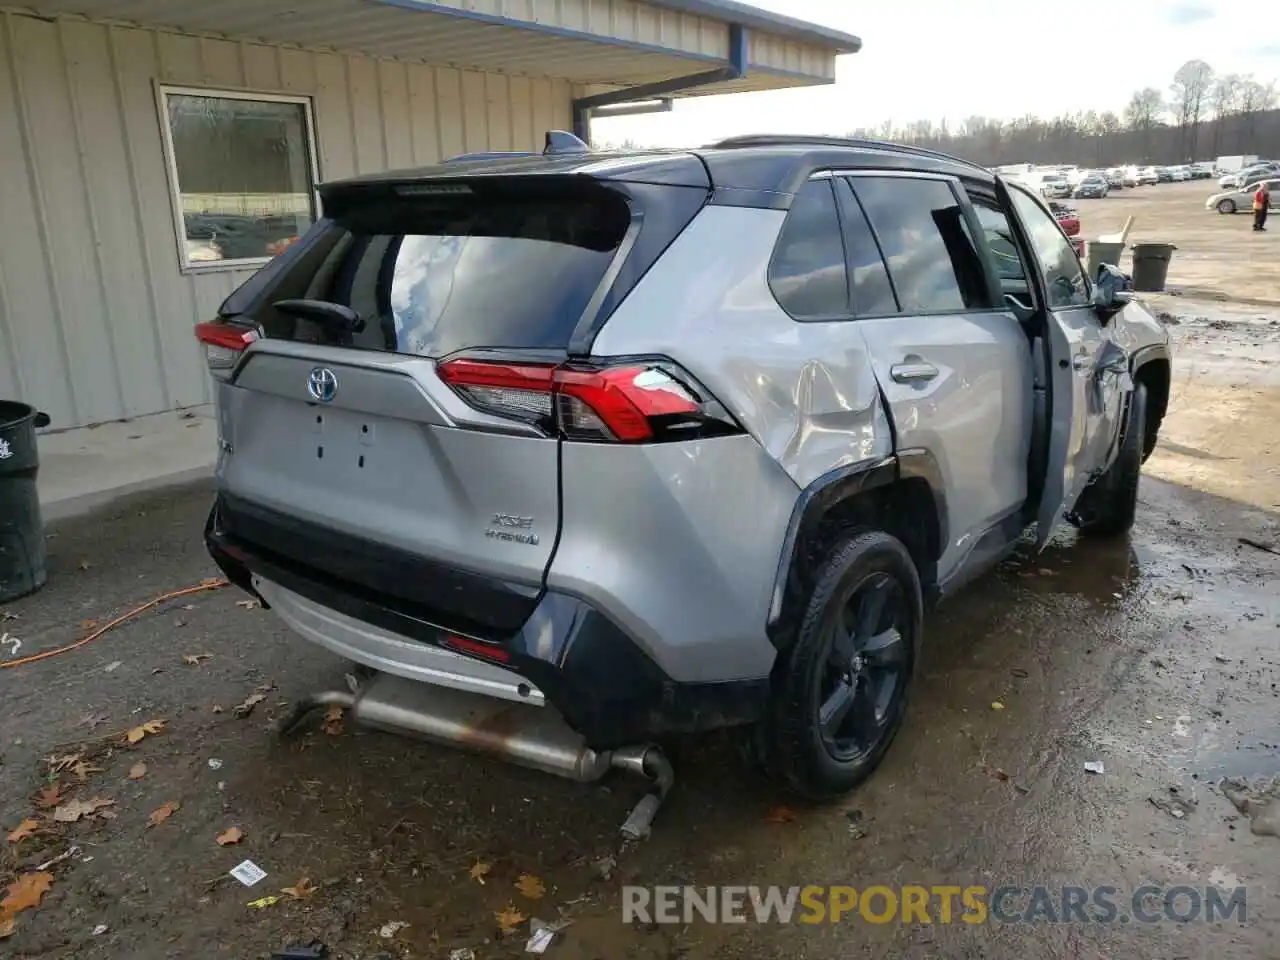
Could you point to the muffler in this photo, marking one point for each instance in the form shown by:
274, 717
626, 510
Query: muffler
523, 734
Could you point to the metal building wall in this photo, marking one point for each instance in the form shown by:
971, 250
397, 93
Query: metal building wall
95, 313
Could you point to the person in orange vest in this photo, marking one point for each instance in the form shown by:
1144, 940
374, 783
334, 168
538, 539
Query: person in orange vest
1261, 205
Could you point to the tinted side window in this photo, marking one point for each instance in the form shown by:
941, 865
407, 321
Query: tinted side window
1063, 275
999, 240
926, 242
872, 292
807, 274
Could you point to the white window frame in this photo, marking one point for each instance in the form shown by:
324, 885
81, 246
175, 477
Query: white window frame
163, 92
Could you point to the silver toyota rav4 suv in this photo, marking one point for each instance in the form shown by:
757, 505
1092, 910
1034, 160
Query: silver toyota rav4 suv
662, 442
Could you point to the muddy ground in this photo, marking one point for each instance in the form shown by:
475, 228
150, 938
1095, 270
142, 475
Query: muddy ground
1158, 656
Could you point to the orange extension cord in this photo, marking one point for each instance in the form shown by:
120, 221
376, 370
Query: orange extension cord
186, 591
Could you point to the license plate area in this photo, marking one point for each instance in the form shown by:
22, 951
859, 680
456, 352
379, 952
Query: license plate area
341, 439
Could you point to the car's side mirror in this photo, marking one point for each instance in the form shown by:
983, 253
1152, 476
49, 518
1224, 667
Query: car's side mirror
1111, 291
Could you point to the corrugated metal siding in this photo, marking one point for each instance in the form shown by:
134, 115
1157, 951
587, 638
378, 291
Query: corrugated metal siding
586, 41
95, 315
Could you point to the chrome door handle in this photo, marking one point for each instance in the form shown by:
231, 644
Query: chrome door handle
912, 370
1082, 362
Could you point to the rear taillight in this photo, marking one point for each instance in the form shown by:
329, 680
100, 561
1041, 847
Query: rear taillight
630, 402
223, 344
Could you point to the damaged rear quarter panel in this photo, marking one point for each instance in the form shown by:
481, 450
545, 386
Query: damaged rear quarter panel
805, 391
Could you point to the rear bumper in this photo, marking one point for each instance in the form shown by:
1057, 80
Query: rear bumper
567, 653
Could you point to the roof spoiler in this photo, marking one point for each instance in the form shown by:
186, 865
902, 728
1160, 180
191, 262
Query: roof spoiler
557, 142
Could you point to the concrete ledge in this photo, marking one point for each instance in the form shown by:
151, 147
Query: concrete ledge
88, 467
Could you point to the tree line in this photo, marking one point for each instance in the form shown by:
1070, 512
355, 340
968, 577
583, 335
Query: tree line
1202, 115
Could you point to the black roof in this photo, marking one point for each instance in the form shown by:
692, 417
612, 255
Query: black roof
749, 171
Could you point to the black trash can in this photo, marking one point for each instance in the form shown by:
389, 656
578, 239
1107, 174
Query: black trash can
1151, 266
21, 532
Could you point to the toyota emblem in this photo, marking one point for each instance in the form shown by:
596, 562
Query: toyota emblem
322, 384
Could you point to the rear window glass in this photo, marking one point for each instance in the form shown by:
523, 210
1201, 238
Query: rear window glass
434, 276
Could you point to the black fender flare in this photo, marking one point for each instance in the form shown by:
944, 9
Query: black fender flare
840, 484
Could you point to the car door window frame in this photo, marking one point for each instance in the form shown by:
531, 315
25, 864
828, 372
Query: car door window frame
969, 219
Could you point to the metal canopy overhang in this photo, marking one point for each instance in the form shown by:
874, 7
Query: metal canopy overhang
603, 45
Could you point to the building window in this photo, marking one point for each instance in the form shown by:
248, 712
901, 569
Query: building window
241, 168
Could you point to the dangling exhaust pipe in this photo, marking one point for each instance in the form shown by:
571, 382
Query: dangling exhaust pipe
523, 734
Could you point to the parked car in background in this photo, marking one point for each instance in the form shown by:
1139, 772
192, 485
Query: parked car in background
1148, 176
1251, 174
1164, 175
1202, 169
488, 393
1054, 186
1131, 176
1233, 201
1115, 178
1066, 216
1092, 187
1179, 174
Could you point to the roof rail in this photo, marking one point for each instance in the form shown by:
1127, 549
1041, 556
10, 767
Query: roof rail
785, 140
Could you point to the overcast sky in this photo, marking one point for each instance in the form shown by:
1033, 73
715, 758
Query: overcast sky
999, 58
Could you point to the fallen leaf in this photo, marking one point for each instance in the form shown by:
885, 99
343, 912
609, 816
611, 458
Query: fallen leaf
92, 722
85, 564
84, 626
73, 810
333, 720
6, 615
248, 604
25, 892
23, 830
479, 870
997, 705
251, 701
51, 796
780, 815
264, 902
995, 773
83, 769
138, 771
163, 813
195, 659
229, 836
531, 886
301, 890
6, 926
509, 918
151, 727
217, 708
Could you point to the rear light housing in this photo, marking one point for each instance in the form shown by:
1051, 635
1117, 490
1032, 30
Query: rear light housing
629, 401
223, 345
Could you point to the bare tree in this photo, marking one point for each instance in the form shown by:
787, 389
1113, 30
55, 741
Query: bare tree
1189, 94
1142, 115
1255, 97
1225, 100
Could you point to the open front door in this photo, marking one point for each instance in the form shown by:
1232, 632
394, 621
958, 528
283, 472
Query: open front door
1073, 344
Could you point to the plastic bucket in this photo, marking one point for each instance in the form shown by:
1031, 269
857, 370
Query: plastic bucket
1099, 252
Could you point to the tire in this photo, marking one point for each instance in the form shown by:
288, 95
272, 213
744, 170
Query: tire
853, 658
1109, 505
1227, 206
